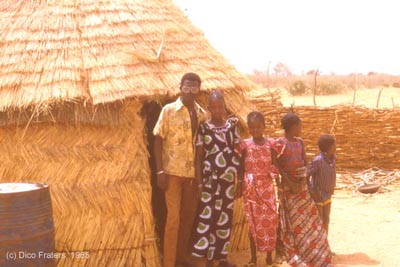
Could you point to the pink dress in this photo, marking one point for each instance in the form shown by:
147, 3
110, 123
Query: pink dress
259, 194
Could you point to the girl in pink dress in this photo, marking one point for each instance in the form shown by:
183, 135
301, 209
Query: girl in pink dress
258, 191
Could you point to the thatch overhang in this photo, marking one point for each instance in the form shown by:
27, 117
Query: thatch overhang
100, 52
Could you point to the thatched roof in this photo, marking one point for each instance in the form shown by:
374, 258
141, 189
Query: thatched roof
102, 51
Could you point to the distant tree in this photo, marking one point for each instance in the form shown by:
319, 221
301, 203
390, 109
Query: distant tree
281, 69
297, 88
311, 72
396, 84
371, 73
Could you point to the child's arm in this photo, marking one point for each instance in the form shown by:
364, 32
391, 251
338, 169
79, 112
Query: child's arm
303, 151
199, 158
275, 163
294, 187
334, 183
315, 166
277, 180
302, 173
162, 178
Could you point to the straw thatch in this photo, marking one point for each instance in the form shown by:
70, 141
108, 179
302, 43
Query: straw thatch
99, 185
103, 51
74, 75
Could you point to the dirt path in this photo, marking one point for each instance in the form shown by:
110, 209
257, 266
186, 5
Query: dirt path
364, 231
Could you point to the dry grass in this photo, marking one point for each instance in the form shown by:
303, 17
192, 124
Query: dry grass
364, 97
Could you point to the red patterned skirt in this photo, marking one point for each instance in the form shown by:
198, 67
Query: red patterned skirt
261, 211
304, 238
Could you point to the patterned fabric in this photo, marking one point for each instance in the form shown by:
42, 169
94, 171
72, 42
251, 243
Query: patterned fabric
174, 127
291, 155
301, 229
212, 236
323, 177
259, 194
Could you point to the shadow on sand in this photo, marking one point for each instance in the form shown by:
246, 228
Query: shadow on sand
342, 260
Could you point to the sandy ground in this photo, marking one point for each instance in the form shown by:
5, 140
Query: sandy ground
364, 97
364, 230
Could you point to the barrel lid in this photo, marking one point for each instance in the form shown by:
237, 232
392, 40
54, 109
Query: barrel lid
7, 188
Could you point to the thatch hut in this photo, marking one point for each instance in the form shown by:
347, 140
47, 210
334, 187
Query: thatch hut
80, 85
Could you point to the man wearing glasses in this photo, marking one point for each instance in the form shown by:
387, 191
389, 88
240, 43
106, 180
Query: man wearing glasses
175, 133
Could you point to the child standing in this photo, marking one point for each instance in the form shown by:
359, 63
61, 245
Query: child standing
323, 177
258, 173
217, 163
302, 233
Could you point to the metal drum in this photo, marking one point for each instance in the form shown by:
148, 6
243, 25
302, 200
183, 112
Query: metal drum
26, 225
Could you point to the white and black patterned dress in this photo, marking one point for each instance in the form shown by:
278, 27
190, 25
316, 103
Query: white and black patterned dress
211, 237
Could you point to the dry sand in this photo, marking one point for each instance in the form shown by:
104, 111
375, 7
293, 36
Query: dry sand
364, 230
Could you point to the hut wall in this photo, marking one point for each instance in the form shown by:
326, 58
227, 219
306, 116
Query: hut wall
100, 186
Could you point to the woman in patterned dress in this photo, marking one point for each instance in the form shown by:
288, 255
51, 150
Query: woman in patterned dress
217, 163
258, 189
302, 233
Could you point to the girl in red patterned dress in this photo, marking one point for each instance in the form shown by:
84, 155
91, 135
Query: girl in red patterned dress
301, 230
258, 175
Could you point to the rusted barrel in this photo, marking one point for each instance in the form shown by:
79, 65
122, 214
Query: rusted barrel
26, 225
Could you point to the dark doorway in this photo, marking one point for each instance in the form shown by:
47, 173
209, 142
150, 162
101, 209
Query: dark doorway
150, 112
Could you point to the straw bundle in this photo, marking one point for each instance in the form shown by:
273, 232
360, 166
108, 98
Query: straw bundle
99, 178
240, 228
365, 137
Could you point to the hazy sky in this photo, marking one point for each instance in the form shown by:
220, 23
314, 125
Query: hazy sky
340, 36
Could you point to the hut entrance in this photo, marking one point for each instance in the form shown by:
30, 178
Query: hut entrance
150, 112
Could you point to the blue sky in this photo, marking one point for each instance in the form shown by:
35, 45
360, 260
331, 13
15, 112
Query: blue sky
335, 35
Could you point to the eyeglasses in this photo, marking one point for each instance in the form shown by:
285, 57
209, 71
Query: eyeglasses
190, 89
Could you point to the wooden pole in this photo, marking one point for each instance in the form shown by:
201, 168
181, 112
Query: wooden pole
379, 97
315, 86
268, 87
355, 88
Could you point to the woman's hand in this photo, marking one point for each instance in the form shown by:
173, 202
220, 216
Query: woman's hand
301, 173
295, 188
